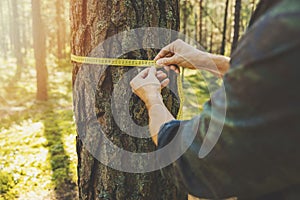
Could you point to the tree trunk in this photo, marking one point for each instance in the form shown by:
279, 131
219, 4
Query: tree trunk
222, 51
92, 22
64, 28
24, 31
16, 39
186, 13
200, 21
10, 28
237, 14
3, 29
196, 27
211, 44
39, 46
205, 26
231, 23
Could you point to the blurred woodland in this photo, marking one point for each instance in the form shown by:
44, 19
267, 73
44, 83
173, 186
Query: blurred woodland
37, 133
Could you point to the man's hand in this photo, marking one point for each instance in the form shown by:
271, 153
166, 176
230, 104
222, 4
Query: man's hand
184, 55
177, 53
147, 85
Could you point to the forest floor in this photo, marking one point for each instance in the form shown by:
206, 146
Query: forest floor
37, 139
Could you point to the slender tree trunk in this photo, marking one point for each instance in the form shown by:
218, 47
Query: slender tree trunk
185, 13
222, 50
200, 21
3, 29
10, 28
64, 30
231, 23
237, 14
16, 39
205, 35
24, 30
196, 27
211, 45
39, 45
91, 23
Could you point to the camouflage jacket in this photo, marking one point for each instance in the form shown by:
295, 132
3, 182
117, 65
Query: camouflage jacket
257, 155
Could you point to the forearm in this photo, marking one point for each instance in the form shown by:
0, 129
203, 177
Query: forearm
158, 115
217, 64
222, 63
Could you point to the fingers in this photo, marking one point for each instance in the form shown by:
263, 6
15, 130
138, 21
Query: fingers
167, 51
152, 71
168, 61
150, 75
175, 68
162, 53
143, 74
161, 75
137, 81
163, 78
165, 83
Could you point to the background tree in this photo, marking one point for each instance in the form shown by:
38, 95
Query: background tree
91, 23
237, 14
39, 51
59, 32
222, 51
200, 20
16, 38
3, 28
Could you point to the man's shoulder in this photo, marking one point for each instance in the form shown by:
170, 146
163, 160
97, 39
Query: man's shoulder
276, 31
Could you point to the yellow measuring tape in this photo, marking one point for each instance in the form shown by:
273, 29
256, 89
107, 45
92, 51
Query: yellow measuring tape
129, 62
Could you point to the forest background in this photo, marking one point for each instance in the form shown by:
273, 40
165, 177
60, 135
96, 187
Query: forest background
37, 132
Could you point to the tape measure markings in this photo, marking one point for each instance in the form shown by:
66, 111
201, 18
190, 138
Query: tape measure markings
113, 61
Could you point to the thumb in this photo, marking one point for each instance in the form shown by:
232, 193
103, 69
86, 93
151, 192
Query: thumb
152, 71
167, 61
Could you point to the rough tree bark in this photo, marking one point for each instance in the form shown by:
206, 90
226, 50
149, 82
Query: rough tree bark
39, 46
91, 23
222, 51
237, 15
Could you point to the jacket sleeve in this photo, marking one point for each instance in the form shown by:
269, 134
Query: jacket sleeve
258, 150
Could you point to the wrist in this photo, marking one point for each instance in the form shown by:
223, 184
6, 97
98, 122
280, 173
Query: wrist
222, 63
153, 99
